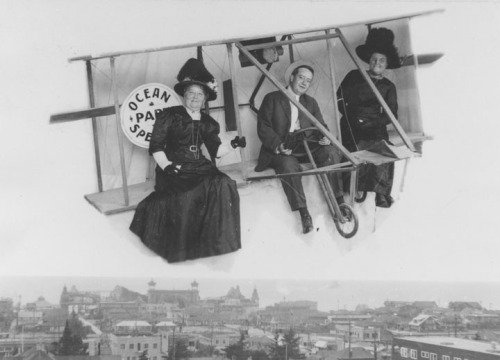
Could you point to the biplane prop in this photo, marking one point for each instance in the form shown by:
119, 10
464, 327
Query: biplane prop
126, 87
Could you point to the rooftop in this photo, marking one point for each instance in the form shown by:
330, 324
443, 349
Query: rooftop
457, 343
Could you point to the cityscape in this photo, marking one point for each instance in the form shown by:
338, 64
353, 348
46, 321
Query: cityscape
181, 322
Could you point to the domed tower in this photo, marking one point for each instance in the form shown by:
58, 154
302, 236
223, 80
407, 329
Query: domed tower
255, 296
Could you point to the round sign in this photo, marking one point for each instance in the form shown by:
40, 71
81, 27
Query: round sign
138, 111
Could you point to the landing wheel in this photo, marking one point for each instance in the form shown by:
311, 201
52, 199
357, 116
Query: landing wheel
360, 196
350, 226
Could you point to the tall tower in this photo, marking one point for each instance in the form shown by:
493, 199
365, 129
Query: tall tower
255, 296
195, 294
64, 299
194, 285
151, 285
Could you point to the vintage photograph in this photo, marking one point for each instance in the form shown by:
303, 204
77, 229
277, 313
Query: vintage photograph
274, 169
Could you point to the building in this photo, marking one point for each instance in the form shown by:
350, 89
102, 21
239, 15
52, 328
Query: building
355, 353
348, 318
182, 297
6, 305
443, 348
358, 332
459, 306
132, 347
133, 327
78, 302
27, 317
40, 304
424, 323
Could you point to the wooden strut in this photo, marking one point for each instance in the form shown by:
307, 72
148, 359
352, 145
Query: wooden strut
90, 81
299, 106
333, 82
326, 188
234, 40
341, 167
119, 131
290, 41
379, 97
232, 70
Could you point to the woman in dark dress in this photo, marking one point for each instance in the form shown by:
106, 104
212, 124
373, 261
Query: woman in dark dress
364, 121
194, 210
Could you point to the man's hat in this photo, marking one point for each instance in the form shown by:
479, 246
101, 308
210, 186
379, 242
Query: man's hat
380, 40
295, 65
194, 72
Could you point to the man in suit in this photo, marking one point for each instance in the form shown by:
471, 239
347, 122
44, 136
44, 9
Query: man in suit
278, 119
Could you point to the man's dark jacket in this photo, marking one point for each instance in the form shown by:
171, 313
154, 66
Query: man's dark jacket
273, 123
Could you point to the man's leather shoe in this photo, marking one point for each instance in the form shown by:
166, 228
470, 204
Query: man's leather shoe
307, 223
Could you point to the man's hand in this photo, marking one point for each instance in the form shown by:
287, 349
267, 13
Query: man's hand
324, 141
283, 150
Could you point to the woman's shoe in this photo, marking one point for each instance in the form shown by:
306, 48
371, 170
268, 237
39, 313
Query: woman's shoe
382, 201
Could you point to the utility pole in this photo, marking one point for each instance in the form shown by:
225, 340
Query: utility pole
455, 324
350, 354
173, 345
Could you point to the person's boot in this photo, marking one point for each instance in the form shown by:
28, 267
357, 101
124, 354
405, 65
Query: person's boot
340, 199
383, 201
307, 223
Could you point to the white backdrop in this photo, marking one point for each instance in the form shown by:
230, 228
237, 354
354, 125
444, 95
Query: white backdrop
442, 228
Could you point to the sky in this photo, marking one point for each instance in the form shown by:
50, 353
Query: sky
442, 228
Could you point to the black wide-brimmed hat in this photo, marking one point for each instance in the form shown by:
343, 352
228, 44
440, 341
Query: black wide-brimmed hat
194, 72
380, 40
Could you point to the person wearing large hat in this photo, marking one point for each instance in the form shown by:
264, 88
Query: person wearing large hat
278, 120
364, 122
194, 210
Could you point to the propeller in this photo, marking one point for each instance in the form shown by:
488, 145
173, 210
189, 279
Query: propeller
423, 59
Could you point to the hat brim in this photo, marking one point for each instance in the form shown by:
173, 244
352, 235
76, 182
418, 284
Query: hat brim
289, 70
179, 88
365, 52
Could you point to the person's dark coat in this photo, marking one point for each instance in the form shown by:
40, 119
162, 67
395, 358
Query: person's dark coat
274, 119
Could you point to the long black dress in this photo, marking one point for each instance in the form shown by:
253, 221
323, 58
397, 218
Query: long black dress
195, 213
357, 101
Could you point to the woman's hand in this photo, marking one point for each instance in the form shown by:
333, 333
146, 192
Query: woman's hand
171, 169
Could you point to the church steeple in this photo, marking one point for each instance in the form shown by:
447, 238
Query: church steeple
255, 296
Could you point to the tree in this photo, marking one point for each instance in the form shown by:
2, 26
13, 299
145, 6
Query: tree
237, 351
205, 350
285, 346
70, 343
77, 327
144, 355
179, 350
259, 355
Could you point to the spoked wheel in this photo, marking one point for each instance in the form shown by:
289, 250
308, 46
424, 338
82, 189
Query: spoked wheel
360, 196
302, 134
350, 226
